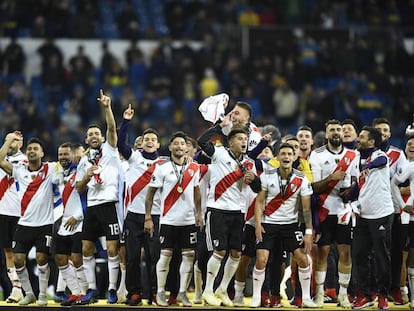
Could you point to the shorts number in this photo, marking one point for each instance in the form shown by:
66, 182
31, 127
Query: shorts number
299, 236
193, 238
48, 240
114, 228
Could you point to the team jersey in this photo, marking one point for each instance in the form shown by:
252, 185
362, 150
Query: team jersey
35, 193
102, 187
283, 195
72, 201
177, 200
137, 181
407, 172
323, 163
226, 181
9, 198
396, 160
254, 135
375, 191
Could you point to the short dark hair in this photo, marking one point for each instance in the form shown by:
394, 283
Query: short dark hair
270, 128
350, 122
66, 145
305, 128
289, 137
151, 131
192, 141
36, 140
285, 145
332, 122
247, 107
178, 134
236, 130
373, 133
380, 121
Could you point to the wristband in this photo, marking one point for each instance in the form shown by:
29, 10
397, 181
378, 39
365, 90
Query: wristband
308, 232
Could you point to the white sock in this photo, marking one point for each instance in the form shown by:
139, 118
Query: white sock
23, 275
14, 279
122, 286
89, 263
60, 285
213, 267
320, 281
163, 266
186, 269
68, 274
230, 269
113, 271
239, 288
305, 281
258, 279
410, 272
198, 280
81, 278
44, 272
343, 280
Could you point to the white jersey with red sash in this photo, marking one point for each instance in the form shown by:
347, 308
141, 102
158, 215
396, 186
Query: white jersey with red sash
71, 199
9, 198
137, 181
397, 161
323, 163
103, 187
283, 195
36, 194
375, 191
406, 173
177, 199
226, 181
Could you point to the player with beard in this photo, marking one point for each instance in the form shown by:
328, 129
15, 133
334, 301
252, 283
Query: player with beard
99, 173
397, 161
334, 168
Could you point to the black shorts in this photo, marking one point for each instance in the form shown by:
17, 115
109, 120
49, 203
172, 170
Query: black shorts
26, 237
411, 234
332, 232
224, 230
7, 228
68, 244
101, 220
249, 241
178, 236
281, 237
405, 239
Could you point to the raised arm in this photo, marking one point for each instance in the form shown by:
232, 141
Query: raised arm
9, 140
109, 117
123, 147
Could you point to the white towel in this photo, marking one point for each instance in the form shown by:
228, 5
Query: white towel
212, 108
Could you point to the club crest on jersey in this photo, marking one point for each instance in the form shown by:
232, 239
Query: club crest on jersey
337, 161
149, 165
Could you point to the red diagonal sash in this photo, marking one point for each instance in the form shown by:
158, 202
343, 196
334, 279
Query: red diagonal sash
250, 210
393, 155
174, 195
5, 184
343, 166
67, 190
141, 182
277, 201
33, 187
228, 180
203, 170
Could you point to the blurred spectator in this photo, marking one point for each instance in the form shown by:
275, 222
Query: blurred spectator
286, 105
107, 59
176, 18
48, 50
128, 22
209, 85
133, 53
82, 21
369, 105
17, 92
14, 57
248, 17
53, 79
80, 68
71, 119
